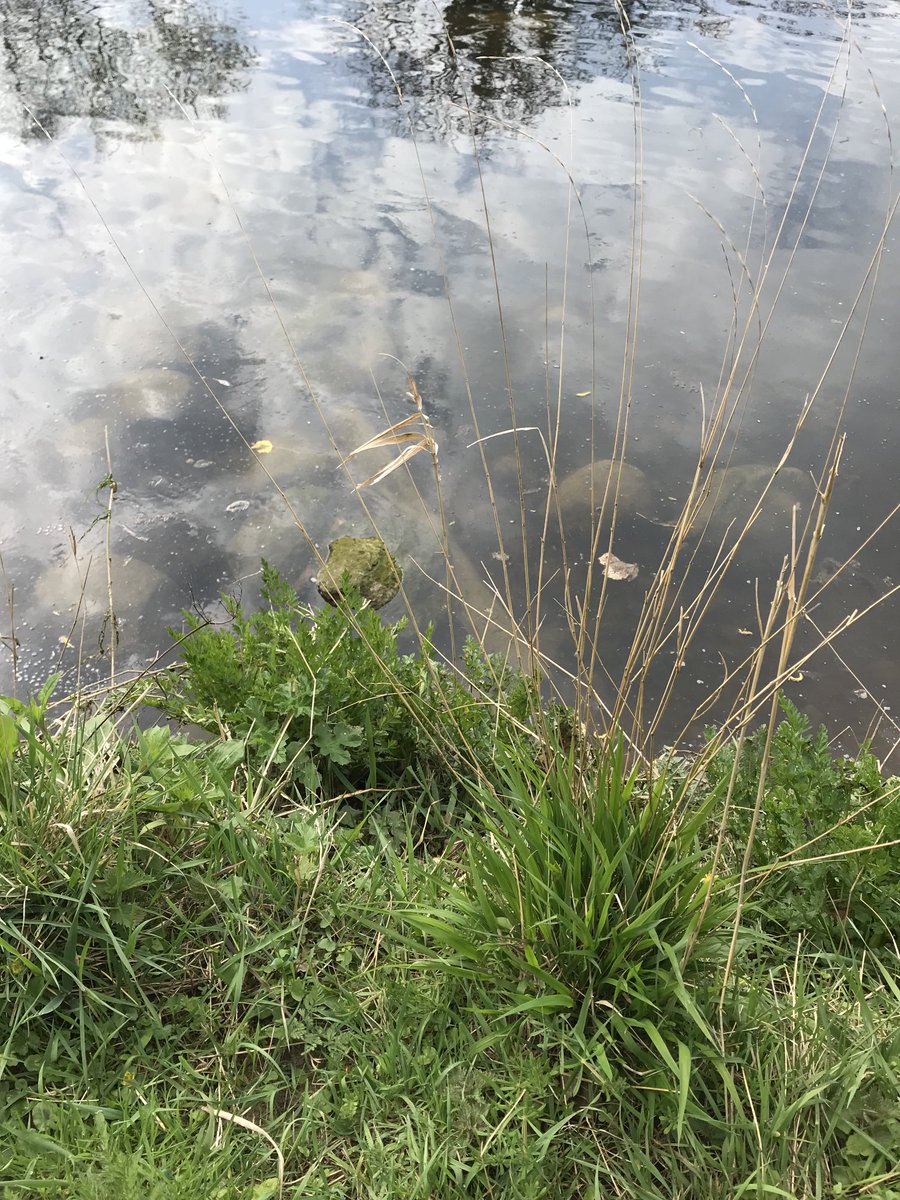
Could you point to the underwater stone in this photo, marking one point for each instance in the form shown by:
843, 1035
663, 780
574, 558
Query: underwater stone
367, 565
153, 392
735, 490
628, 485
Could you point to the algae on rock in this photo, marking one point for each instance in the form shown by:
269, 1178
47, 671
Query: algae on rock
364, 564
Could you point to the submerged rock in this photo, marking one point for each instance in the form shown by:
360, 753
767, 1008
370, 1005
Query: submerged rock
153, 392
83, 587
366, 564
735, 491
629, 484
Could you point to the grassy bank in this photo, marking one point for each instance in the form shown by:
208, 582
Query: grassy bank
307, 916
323, 912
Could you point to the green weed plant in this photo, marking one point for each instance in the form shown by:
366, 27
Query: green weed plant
327, 698
826, 845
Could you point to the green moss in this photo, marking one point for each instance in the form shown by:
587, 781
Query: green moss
364, 564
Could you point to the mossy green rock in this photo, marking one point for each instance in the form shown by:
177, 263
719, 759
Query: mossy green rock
366, 564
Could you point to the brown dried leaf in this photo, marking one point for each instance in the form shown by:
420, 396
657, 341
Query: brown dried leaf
615, 568
391, 437
424, 443
414, 392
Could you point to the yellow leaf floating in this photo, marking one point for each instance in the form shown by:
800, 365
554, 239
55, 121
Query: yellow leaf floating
581, 395
262, 447
796, 678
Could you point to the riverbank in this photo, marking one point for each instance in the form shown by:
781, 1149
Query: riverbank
308, 916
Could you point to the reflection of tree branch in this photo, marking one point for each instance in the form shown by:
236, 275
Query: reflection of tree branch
66, 60
577, 41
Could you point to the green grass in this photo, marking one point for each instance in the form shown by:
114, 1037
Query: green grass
519, 981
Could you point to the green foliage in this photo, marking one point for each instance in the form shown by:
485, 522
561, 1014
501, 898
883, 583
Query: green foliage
816, 807
817, 1058
539, 1012
328, 699
94, 1152
105, 911
586, 895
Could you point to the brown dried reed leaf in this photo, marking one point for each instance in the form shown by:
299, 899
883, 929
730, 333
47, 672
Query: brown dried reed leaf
394, 436
414, 392
423, 443
412, 432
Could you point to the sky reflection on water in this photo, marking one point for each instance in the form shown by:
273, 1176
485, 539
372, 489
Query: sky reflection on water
161, 106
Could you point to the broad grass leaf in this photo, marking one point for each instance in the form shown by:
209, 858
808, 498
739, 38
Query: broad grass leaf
684, 1085
445, 932
36, 1145
555, 1002
9, 737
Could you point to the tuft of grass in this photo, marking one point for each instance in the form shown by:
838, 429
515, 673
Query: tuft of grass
586, 893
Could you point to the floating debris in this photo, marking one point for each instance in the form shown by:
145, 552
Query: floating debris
615, 568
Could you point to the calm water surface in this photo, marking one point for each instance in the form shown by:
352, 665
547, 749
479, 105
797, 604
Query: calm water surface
147, 145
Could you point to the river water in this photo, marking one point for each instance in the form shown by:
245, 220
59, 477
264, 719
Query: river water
232, 224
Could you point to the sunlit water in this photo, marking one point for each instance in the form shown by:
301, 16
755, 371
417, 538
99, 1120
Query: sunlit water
150, 151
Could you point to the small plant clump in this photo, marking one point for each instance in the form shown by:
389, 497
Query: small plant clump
826, 841
226, 975
327, 700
